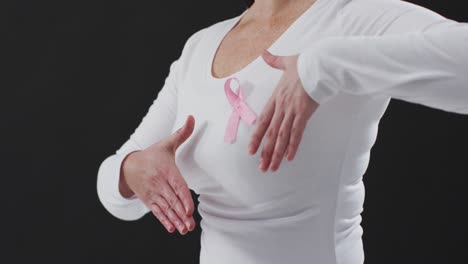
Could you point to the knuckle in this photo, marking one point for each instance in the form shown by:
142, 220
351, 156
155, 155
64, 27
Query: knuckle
173, 201
263, 120
283, 101
163, 171
154, 171
270, 134
174, 182
265, 153
294, 131
164, 206
154, 180
177, 188
282, 133
170, 215
156, 210
180, 210
148, 194
255, 138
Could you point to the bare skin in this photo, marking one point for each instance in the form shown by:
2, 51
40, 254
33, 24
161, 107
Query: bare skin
284, 118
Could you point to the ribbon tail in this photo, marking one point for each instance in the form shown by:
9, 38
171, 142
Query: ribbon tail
247, 114
231, 128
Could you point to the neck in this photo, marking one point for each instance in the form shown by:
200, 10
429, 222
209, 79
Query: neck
269, 9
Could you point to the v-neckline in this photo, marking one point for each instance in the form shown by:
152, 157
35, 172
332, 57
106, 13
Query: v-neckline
232, 23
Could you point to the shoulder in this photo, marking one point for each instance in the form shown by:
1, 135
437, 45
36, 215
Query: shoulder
397, 4
375, 17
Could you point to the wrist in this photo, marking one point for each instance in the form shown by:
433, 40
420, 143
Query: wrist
125, 174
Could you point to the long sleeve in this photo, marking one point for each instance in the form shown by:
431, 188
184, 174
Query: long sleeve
154, 126
413, 55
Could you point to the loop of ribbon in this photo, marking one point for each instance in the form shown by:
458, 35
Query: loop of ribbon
240, 111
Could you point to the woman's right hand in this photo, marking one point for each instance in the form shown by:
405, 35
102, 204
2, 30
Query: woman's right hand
152, 175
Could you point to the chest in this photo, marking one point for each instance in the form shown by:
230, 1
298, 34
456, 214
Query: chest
242, 45
211, 165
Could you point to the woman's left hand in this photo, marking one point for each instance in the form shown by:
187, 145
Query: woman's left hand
284, 117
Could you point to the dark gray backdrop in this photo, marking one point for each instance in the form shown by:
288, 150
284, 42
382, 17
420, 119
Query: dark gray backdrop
80, 75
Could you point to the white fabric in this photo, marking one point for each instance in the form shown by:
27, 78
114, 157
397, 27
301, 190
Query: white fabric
309, 210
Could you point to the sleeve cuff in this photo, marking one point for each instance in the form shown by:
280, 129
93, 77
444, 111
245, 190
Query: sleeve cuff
312, 75
115, 181
108, 191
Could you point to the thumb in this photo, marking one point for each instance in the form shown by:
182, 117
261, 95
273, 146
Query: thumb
184, 132
273, 60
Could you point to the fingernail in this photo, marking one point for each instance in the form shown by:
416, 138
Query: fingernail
187, 223
260, 166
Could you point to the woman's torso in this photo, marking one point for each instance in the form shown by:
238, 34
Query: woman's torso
307, 210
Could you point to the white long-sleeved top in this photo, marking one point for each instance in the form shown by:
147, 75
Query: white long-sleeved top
355, 55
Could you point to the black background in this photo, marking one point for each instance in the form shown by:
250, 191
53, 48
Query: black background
79, 76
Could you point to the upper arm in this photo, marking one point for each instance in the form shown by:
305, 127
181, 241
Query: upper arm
158, 120
160, 117
154, 126
384, 17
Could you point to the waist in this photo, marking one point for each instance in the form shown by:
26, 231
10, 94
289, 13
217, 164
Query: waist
297, 238
303, 240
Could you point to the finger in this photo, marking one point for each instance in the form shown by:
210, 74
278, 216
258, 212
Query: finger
181, 189
161, 216
297, 130
171, 214
174, 202
190, 223
166, 208
274, 61
263, 123
178, 222
282, 141
181, 134
271, 136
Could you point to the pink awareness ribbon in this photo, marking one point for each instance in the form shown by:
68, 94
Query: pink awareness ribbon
240, 111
